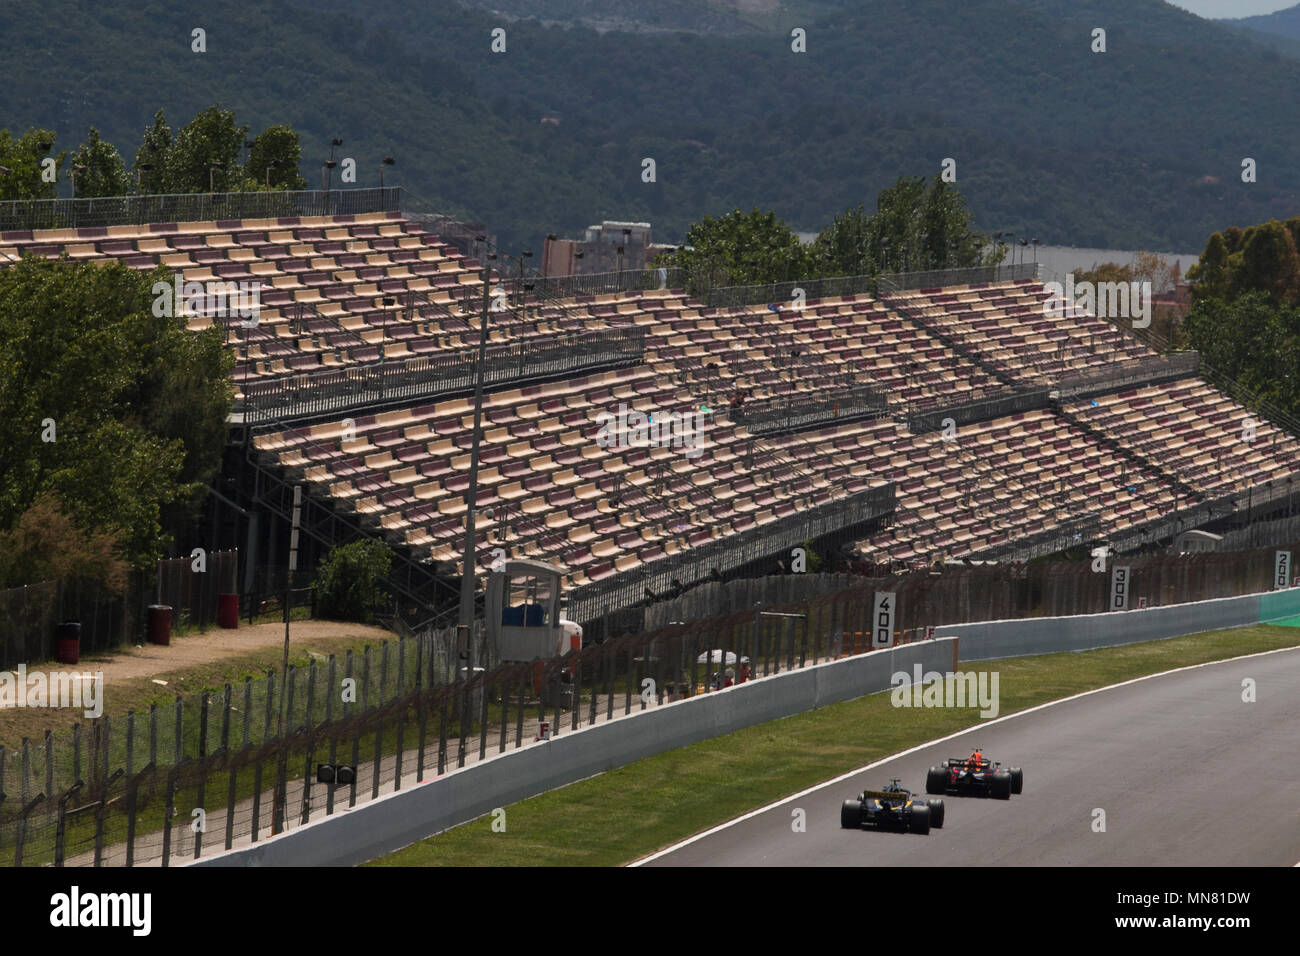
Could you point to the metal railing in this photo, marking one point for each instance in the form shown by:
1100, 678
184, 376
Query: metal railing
1246, 503
1060, 537
801, 410
1141, 371
602, 283
928, 415
741, 296
692, 565
194, 207
1229, 386
941, 278
353, 386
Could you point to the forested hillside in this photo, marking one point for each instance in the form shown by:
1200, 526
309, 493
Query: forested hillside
1150, 133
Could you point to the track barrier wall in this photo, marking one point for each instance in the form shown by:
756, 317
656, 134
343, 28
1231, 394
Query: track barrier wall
392, 822
989, 640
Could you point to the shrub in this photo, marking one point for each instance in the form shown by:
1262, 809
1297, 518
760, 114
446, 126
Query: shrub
346, 582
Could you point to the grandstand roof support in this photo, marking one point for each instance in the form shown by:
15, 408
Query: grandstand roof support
469, 574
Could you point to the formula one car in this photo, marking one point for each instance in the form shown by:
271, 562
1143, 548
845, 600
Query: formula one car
891, 809
975, 776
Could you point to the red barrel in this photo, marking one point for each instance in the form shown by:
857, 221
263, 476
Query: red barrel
228, 610
67, 642
160, 624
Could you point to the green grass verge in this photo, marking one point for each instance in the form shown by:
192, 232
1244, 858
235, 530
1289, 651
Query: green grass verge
627, 813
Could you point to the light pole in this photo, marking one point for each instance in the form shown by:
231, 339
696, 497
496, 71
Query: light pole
388, 301
386, 161
469, 575
273, 164
523, 289
139, 171
78, 168
627, 241
212, 171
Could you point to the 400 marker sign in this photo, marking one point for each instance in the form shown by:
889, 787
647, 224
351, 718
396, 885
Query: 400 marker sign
883, 612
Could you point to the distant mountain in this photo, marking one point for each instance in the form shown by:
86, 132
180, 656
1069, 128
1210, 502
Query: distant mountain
1284, 23
715, 17
1137, 147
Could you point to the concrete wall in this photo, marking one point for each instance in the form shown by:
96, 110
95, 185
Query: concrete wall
397, 820
1050, 635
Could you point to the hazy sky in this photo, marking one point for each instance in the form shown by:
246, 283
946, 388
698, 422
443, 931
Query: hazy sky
1215, 9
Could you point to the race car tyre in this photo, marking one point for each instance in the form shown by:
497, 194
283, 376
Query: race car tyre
936, 813
851, 814
936, 780
1017, 780
919, 822
1000, 785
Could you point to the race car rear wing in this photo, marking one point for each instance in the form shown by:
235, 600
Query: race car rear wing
885, 795
962, 761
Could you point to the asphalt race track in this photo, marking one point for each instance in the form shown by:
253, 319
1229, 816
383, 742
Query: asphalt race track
1187, 773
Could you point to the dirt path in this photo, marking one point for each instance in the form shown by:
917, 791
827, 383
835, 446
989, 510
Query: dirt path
149, 660
133, 677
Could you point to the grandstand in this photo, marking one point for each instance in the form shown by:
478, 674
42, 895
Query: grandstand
825, 423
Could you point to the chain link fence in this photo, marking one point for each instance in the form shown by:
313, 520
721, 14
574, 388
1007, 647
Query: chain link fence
193, 207
200, 776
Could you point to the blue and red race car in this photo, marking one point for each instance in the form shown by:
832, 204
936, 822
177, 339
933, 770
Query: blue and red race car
975, 776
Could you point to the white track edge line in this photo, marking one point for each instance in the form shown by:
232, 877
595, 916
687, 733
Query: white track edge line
930, 743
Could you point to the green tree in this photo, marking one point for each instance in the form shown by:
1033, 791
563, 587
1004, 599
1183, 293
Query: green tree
741, 248
897, 223
947, 239
23, 175
1252, 340
1237, 261
914, 228
150, 164
206, 150
919, 228
347, 581
275, 149
99, 168
1268, 263
848, 246
45, 544
103, 402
